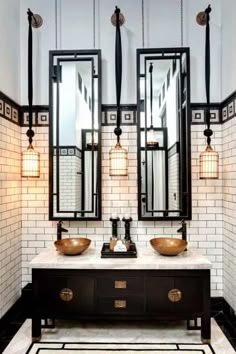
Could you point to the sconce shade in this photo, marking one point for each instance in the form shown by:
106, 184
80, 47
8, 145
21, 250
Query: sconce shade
209, 164
30, 163
151, 138
118, 157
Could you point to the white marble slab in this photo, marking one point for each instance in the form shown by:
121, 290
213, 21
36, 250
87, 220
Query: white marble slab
147, 259
121, 332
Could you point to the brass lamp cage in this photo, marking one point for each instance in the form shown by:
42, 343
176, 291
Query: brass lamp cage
209, 164
118, 157
30, 163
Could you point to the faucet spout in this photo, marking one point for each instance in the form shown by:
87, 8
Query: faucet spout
60, 229
183, 230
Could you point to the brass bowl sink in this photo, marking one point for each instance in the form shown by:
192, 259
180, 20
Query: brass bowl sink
168, 246
72, 246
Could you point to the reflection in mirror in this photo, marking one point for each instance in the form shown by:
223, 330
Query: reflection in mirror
164, 134
75, 116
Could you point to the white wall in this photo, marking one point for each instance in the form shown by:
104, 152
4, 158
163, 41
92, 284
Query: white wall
228, 10
10, 48
161, 29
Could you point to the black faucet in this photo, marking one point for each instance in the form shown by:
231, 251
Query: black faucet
127, 228
60, 229
183, 229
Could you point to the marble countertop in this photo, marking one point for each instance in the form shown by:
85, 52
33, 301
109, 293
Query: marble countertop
147, 258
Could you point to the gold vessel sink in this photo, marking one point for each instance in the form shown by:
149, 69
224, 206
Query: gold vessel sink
168, 246
72, 246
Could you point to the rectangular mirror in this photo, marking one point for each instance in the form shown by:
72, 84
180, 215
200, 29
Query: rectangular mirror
75, 135
164, 156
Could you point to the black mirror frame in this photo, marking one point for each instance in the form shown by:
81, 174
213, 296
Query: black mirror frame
74, 53
185, 141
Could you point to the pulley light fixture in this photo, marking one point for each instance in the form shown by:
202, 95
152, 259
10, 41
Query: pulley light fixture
118, 156
30, 157
209, 159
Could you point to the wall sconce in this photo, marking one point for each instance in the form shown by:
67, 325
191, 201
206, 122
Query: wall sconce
151, 138
209, 159
118, 156
31, 158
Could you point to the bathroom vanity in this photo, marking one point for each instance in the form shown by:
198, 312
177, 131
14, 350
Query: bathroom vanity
150, 287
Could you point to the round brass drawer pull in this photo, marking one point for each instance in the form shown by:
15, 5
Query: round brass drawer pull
66, 294
174, 295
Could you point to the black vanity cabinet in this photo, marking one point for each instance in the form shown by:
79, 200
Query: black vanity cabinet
139, 294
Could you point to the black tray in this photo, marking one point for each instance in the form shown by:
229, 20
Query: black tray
106, 253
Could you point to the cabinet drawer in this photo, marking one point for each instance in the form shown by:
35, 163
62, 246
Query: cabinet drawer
121, 305
120, 285
174, 295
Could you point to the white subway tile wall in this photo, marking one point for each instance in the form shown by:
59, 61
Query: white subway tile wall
229, 210
10, 214
119, 196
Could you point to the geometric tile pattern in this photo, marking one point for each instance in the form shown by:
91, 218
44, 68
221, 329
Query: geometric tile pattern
128, 115
40, 116
9, 109
68, 151
228, 109
199, 116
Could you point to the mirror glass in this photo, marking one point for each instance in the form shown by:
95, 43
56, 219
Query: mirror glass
164, 171
75, 135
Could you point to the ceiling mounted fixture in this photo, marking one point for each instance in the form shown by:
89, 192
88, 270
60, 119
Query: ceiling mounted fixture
30, 157
118, 156
209, 159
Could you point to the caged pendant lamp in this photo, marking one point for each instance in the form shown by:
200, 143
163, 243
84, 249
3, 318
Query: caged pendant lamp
118, 156
209, 159
30, 157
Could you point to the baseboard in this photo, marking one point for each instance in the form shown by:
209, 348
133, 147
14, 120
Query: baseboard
11, 314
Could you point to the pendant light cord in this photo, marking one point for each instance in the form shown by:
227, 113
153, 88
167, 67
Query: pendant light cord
151, 92
30, 132
208, 131
143, 23
118, 71
181, 23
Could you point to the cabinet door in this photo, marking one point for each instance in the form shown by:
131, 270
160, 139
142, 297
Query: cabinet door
189, 298
157, 289
65, 295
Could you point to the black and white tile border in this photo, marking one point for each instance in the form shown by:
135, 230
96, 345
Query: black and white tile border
199, 113
228, 108
9, 109
220, 112
69, 151
40, 116
128, 115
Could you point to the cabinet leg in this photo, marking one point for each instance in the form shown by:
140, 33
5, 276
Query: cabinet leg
36, 329
206, 329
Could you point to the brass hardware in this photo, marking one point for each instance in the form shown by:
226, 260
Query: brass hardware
174, 295
120, 284
120, 304
206, 341
121, 19
201, 18
66, 294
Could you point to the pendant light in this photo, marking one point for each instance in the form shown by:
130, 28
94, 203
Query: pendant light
209, 159
151, 139
30, 157
118, 156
